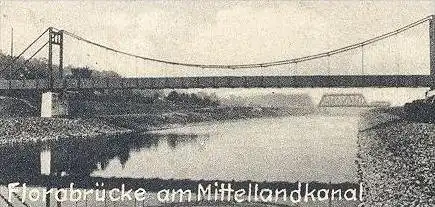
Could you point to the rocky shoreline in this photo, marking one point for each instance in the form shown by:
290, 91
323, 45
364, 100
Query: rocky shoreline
396, 160
36, 129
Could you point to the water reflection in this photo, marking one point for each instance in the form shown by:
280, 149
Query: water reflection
307, 148
19, 161
77, 157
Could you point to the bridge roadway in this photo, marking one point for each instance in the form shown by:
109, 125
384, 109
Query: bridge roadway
338, 81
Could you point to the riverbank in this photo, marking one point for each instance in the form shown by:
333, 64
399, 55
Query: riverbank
25, 129
34, 129
396, 159
146, 122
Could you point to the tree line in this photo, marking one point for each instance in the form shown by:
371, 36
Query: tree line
34, 68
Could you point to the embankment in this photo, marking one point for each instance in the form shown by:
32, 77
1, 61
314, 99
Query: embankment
151, 121
24, 129
396, 159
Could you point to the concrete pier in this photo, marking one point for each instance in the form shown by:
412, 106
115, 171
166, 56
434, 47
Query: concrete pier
53, 105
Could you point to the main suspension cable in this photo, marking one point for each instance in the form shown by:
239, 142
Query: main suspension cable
264, 64
30, 45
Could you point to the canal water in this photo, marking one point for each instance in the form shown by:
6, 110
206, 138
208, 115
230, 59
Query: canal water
320, 147
307, 148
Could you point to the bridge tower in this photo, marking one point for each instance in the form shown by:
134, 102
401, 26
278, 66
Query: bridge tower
52, 103
55, 38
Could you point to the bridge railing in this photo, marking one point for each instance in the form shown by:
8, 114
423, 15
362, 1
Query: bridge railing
223, 82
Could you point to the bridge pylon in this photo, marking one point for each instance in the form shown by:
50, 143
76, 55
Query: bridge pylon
53, 103
55, 38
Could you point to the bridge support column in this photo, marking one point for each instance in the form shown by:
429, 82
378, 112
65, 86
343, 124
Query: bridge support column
53, 105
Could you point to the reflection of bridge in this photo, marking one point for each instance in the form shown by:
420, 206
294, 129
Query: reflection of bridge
57, 81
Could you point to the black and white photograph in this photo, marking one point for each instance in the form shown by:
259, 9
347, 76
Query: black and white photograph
169, 103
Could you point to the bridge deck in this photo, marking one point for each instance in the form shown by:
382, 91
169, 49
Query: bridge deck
225, 82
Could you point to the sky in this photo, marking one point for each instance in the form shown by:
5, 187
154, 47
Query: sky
226, 32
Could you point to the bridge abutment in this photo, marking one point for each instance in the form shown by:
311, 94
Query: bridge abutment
53, 105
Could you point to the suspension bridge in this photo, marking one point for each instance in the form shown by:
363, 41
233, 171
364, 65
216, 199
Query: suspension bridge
58, 82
